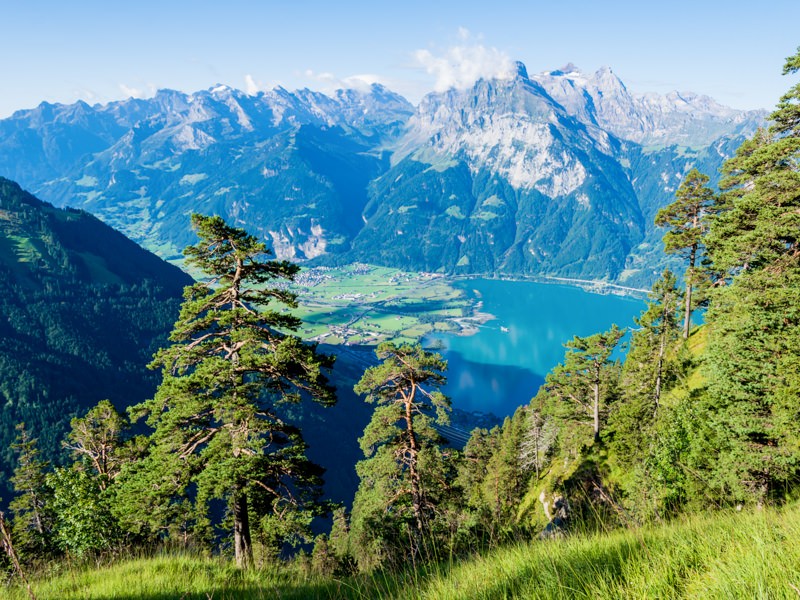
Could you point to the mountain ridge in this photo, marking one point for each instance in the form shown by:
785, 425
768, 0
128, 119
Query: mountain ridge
581, 165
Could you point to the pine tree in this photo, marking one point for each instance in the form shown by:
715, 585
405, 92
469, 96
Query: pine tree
754, 353
687, 219
323, 560
99, 438
506, 479
339, 540
33, 520
218, 416
652, 363
578, 382
641, 426
538, 441
473, 470
406, 471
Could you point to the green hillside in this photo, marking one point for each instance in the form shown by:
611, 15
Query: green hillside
82, 309
728, 555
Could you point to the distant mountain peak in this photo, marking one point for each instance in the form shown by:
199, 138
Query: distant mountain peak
499, 164
522, 71
607, 81
602, 99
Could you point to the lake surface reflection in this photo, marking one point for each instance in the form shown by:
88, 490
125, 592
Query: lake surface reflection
502, 366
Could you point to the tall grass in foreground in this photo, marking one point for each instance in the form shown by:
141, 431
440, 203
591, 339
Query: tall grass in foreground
731, 555
727, 555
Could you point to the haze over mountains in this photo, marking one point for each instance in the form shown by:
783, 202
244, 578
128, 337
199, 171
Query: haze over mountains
556, 174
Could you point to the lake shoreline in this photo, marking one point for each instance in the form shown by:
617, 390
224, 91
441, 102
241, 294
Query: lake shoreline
593, 286
515, 335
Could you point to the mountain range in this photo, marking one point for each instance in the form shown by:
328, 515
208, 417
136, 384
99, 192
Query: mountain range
556, 174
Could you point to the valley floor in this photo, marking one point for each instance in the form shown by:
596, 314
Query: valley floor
723, 555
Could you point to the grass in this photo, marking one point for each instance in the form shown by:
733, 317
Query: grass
747, 555
732, 555
173, 577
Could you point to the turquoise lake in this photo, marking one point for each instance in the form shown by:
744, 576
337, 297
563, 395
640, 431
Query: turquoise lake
502, 366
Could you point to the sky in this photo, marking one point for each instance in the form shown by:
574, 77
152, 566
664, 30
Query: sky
100, 51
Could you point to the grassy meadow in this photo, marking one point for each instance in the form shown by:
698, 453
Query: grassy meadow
366, 304
747, 555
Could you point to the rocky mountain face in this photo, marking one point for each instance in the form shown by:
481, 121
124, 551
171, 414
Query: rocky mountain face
293, 167
652, 120
556, 174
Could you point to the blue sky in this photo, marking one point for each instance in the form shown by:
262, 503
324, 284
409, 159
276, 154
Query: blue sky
102, 51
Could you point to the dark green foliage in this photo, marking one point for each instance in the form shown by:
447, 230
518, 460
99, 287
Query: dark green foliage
81, 311
652, 365
33, 517
754, 356
323, 560
218, 418
506, 479
687, 219
473, 470
583, 383
680, 469
760, 224
494, 475
406, 477
753, 367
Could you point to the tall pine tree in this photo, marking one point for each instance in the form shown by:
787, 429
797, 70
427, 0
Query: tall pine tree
687, 219
33, 520
218, 421
405, 474
754, 348
579, 381
651, 365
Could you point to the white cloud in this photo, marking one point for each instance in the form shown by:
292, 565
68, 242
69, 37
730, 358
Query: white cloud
250, 85
89, 96
462, 65
132, 92
363, 81
329, 83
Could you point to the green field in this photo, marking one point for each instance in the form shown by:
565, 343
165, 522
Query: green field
365, 304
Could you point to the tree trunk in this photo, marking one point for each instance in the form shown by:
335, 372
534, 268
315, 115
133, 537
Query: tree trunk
597, 405
37, 515
687, 318
416, 492
8, 546
242, 544
660, 367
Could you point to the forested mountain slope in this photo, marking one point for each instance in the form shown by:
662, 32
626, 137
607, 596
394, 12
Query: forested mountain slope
82, 309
